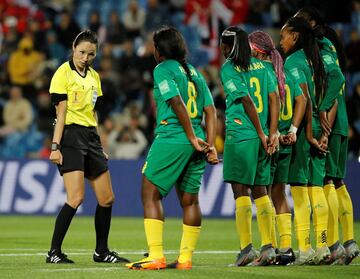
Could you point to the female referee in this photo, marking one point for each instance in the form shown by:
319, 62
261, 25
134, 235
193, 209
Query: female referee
176, 155
76, 148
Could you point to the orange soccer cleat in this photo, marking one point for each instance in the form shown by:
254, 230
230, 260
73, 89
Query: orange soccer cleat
148, 263
182, 266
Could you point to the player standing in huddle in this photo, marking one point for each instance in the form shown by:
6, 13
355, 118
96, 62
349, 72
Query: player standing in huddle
76, 148
293, 104
176, 156
307, 166
244, 78
339, 200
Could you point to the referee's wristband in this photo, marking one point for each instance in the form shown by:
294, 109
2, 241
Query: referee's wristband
293, 129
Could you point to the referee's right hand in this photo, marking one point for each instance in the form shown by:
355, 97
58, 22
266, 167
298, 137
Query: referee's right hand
56, 157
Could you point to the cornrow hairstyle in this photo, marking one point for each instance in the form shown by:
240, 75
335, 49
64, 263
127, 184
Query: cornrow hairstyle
308, 43
170, 44
237, 39
263, 43
324, 30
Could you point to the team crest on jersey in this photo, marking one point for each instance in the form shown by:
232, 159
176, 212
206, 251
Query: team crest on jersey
94, 96
164, 87
238, 121
163, 122
328, 60
295, 73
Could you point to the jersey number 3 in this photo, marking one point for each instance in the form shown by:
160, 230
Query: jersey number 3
191, 103
254, 83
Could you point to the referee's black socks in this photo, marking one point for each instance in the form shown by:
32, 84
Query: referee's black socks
102, 228
62, 224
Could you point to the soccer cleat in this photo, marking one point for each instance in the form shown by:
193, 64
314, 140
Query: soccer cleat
305, 257
322, 255
56, 257
351, 252
148, 263
286, 257
181, 266
337, 253
267, 256
109, 257
246, 256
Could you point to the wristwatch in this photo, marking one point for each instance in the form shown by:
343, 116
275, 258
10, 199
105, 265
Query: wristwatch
55, 146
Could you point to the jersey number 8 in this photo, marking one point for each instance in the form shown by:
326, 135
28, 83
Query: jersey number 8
191, 103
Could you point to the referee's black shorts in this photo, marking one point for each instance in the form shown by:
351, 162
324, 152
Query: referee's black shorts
81, 149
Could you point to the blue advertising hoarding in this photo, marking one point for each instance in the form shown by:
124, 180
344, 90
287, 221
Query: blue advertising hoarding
35, 187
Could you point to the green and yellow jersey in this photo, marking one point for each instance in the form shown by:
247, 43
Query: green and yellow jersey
170, 80
81, 93
260, 80
340, 126
298, 67
238, 124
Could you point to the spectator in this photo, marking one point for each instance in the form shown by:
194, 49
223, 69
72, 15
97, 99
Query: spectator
67, 29
30, 61
17, 114
134, 18
128, 143
352, 52
115, 30
156, 15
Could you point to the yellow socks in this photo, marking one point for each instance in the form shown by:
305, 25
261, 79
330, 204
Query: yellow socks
243, 216
264, 218
333, 223
273, 227
189, 239
154, 237
302, 210
320, 214
284, 226
345, 213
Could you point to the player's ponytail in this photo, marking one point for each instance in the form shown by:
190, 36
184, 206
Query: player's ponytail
262, 42
237, 40
306, 40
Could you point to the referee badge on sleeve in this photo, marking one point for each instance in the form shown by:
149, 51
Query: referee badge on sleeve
94, 96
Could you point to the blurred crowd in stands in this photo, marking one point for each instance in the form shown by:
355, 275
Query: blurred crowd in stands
36, 37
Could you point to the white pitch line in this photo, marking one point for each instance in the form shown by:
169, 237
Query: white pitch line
120, 253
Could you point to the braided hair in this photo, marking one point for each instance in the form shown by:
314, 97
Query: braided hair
323, 30
262, 42
307, 42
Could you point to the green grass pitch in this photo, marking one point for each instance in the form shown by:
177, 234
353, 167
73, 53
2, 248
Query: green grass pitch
24, 241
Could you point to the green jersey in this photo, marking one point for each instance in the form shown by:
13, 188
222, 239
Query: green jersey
238, 124
340, 126
170, 80
297, 65
260, 80
292, 90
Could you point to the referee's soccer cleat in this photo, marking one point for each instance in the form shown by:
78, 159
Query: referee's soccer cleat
246, 256
351, 252
182, 266
285, 257
305, 257
267, 256
148, 264
337, 253
109, 257
57, 257
322, 255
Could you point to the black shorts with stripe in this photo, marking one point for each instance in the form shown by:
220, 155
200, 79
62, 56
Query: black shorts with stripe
81, 149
